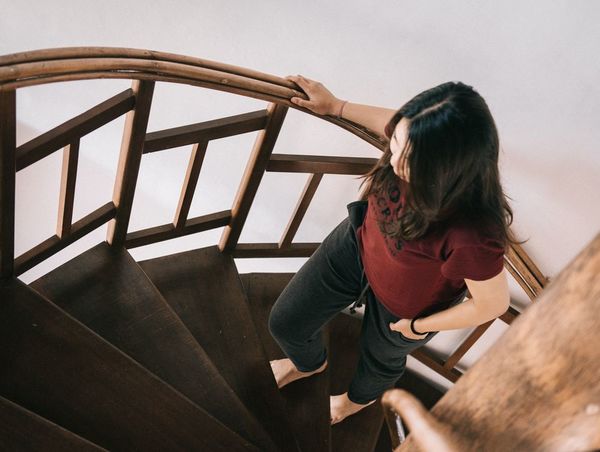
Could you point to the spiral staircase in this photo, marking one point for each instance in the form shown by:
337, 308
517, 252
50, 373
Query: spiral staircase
172, 353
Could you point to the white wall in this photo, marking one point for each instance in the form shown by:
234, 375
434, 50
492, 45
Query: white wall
535, 62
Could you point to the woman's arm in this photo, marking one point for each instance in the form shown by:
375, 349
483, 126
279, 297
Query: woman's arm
490, 299
323, 102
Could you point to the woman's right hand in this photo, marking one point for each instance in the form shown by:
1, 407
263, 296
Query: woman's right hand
320, 99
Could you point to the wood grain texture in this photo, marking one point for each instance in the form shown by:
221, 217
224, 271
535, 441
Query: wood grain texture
107, 291
23, 430
56, 367
204, 289
307, 399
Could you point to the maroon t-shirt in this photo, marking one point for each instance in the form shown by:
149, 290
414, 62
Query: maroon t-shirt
424, 275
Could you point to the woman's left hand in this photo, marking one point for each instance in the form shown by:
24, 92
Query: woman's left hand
403, 326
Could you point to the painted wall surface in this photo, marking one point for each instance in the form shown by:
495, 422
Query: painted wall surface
535, 62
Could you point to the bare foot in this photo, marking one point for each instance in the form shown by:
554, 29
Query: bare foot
285, 371
341, 407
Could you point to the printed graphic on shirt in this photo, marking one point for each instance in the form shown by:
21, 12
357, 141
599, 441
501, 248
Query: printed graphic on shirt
387, 209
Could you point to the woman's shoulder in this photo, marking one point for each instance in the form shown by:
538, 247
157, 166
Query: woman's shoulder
472, 231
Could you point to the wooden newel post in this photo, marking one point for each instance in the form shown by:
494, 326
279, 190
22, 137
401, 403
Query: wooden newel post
8, 144
538, 386
257, 164
132, 147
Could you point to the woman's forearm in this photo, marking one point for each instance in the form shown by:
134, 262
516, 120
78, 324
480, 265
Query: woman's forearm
462, 315
370, 116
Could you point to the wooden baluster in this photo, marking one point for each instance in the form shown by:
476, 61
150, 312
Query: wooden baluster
189, 185
307, 194
132, 147
67, 188
8, 141
259, 159
465, 346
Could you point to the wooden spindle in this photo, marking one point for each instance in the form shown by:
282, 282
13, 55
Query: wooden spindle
67, 188
259, 159
8, 141
307, 195
132, 147
189, 185
464, 347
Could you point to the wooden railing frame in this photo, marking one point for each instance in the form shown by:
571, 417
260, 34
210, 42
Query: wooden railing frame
74, 129
145, 68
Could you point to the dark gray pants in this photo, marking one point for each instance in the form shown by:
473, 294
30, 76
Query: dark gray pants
330, 280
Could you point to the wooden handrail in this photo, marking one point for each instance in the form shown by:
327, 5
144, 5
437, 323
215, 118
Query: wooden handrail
83, 63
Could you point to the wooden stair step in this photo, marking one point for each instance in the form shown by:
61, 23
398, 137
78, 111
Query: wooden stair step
61, 370
307, 399
204, 288
107, 291
23, 430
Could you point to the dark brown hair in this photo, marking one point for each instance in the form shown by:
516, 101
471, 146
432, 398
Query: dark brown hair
452, 156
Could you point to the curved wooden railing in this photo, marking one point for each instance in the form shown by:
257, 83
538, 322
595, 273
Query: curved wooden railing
145, 68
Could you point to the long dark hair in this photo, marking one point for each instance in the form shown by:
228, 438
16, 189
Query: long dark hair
451, 153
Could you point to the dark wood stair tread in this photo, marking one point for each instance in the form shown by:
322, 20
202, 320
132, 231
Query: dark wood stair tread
107, 291
307, 399
59, 369
204, 288
23, 430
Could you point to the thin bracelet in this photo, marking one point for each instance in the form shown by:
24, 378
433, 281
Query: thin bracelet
339, 116
412, 327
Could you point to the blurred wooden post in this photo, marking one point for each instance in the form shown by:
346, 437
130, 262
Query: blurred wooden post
8, 123
132, 147
538, 386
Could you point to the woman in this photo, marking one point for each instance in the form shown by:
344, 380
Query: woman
432, 222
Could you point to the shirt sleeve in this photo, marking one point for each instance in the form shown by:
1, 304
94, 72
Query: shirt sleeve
478, 262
